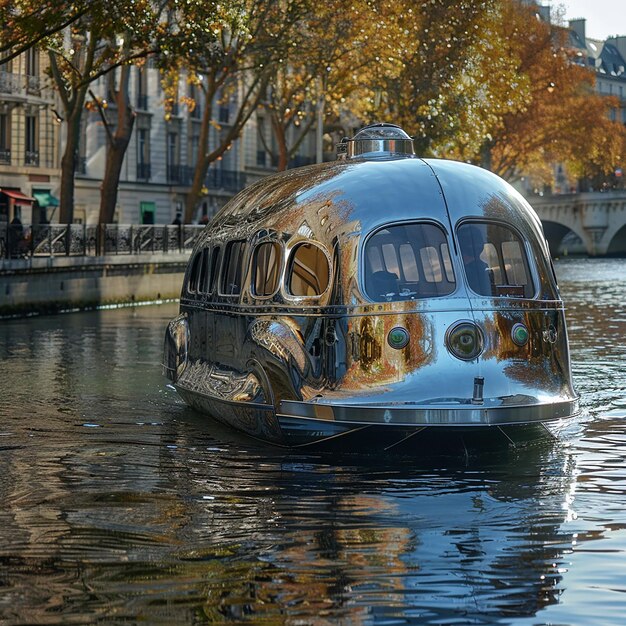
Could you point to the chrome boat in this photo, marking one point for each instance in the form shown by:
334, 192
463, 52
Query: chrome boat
371, 299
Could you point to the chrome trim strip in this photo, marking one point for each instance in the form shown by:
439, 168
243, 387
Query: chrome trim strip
469, 415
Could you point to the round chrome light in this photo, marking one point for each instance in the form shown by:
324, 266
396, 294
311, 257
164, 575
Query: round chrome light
519, 334
398, 337
464, 340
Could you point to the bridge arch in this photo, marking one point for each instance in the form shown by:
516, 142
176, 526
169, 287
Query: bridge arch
617, 243
557, 235
597, 218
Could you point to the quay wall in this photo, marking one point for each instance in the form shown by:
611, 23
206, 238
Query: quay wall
52, 284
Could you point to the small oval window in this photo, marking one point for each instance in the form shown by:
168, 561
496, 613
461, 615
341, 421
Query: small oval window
266, 268
309, 272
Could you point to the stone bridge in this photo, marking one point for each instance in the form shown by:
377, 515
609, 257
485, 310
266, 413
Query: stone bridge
598, 219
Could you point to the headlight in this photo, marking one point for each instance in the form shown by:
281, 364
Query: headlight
519, 334
398, 337
464, 340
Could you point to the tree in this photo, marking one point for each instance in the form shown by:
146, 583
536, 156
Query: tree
139, 34
328, 68
224, 50
27, 23
448, 73
563, 118
103, 39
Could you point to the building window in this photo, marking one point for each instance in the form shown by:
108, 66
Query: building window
5, 138
32, 70
32, 62
495, 260
143, 153
172, 156
31, 141
408, 261
194, 146
309, 272
142, 88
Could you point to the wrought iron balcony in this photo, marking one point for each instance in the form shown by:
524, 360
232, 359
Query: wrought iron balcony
142, 102
174, 173
31, 157
11, 83
143, 171
33, 85
229, 180
5, 156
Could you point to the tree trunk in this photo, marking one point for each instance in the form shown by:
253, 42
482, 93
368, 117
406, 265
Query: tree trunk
117, 146
283, 158
112, 170
248, 103
202, 165
195, 192
68, 167
281, 141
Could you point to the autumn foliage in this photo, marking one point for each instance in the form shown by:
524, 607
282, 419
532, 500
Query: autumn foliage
483, 81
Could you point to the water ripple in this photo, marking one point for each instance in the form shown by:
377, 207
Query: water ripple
120, 505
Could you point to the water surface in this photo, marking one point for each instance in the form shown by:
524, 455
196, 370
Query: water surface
120, 505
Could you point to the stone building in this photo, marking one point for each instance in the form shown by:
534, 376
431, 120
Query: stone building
159, 162
29, 140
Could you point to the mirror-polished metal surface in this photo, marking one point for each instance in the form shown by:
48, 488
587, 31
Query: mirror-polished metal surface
380, 293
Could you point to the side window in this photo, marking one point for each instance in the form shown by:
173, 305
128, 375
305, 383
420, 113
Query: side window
408, 261
447, 262
309, 272
232, 271
215, 255
266, 268
194, 273
495, 260
203, 270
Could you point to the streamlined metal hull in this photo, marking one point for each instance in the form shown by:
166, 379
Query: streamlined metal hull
371, 302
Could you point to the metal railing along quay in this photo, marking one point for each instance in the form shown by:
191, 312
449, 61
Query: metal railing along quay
46, 240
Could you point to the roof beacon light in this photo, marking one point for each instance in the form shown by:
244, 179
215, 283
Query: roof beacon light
377, 140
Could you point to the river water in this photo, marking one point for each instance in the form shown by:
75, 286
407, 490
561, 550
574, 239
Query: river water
120, 505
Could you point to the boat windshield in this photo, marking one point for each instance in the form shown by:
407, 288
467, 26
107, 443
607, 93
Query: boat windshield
408, 261
495, 260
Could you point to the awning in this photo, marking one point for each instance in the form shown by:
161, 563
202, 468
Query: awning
17, 196
45, 199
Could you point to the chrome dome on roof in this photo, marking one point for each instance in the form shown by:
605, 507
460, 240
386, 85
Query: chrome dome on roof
377, 140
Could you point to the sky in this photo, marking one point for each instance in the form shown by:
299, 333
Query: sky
604, 17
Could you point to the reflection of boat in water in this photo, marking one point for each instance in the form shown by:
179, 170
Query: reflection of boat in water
373, 298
